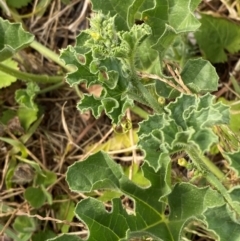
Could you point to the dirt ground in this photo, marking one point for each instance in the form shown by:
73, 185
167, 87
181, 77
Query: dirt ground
65, 135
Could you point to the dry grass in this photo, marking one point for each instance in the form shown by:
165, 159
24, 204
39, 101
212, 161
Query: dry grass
64, 133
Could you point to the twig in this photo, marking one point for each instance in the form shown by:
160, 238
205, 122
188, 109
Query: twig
168, 82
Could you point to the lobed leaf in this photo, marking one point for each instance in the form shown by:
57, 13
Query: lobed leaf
28, 109
12, 38
233, 159
228, 225
215, 36
149, 216
181, 16
176, 14
114, 7
7, 79
188, 121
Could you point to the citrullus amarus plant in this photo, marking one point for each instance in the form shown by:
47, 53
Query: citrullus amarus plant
127, 60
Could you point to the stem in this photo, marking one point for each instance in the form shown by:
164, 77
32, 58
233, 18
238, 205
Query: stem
152, 102
49, 54
201, 161
139, 111
10, 233
213, 175
50, 88
219, 186
45, 79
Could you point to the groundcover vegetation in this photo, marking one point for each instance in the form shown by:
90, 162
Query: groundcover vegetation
139, 53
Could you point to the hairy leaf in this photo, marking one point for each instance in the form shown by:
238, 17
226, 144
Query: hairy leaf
188, 122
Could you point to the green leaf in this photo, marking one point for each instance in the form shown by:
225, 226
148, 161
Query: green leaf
188, 202
114, 8
35, 196
215, 36
133, 10
235, 194
157, 18
147, 59
43, 235
107, 173
149, 218
188, 122
12, 38
109, 195
18, 4
228, 225
82, 73
47, 195
6, 78
6, 116
136, 176
24, 224
182, 17
233, 159
113, 98
234, 114
65, 212
27, 116
46, 178
66, 237
28, 110
178, 15
17, 146
200, 76
65, 1
33, 164
25, 97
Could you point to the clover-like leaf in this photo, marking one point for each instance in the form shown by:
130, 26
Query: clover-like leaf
12, 38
